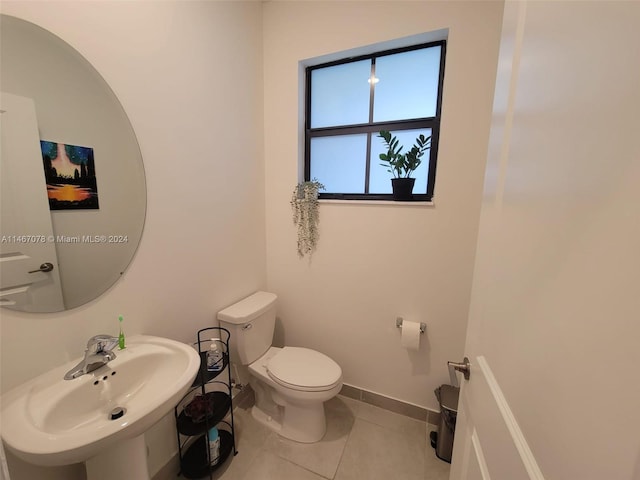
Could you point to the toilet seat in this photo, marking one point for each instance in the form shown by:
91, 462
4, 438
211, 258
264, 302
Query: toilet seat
304, 369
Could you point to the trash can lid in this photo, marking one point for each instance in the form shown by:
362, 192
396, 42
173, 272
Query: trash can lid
449, 397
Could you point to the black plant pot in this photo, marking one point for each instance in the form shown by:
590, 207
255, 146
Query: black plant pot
402, 188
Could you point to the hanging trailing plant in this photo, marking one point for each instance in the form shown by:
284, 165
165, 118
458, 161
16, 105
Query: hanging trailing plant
306, 215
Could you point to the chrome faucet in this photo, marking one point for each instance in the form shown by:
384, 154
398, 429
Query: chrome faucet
99, 352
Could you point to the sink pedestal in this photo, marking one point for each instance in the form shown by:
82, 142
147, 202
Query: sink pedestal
126, 460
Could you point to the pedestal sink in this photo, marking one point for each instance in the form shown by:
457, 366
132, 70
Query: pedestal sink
100, 417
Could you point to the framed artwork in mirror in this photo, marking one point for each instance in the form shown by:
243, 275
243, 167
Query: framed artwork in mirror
70, 173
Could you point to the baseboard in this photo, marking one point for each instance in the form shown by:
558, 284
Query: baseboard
391, 404
169, 471
241, 395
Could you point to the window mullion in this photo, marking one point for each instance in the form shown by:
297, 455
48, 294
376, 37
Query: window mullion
372, 90
375, 127
367, 164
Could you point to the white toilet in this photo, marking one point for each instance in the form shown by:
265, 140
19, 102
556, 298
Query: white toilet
291, 384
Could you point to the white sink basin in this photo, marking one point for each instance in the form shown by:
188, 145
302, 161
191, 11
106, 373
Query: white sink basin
52, 421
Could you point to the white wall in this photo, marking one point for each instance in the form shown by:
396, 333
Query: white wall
189, 76
377, 262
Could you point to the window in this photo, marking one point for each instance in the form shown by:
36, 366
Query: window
349, 101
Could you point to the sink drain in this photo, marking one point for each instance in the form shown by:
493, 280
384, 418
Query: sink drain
116, 413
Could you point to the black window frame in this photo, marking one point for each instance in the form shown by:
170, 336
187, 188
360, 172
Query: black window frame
372, 128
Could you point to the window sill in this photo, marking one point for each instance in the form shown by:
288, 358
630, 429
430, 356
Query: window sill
385, 203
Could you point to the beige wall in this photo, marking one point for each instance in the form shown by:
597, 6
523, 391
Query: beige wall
189, 76
377, 262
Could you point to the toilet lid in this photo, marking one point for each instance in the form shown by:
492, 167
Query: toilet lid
304, 369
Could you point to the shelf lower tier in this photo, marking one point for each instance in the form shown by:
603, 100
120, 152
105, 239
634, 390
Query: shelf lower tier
195, 463
219, 404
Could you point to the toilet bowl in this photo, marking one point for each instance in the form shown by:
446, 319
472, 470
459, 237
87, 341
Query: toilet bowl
291, 384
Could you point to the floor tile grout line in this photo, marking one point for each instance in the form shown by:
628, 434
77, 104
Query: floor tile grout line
344, 449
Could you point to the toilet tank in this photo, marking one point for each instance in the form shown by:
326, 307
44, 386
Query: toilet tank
251, 322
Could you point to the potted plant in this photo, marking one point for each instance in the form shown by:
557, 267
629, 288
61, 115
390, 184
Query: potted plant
402, 165
306, 215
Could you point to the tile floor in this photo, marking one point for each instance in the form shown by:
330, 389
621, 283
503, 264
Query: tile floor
362, 442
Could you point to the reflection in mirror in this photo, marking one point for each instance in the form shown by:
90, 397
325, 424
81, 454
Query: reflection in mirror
72, 179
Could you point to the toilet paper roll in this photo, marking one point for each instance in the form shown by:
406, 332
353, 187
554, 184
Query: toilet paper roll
410, 335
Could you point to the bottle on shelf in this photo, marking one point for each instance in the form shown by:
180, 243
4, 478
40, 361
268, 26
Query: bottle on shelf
214, 356
214, 446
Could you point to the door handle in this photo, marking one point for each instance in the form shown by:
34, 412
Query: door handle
45, 267
464, 367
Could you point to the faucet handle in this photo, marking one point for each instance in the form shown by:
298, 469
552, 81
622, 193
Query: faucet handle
102, 342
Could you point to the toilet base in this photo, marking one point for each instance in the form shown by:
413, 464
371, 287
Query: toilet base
272, 423
302, 424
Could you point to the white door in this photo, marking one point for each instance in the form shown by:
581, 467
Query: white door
27, 239
554, 326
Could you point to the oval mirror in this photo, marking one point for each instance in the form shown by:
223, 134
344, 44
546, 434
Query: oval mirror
72, 179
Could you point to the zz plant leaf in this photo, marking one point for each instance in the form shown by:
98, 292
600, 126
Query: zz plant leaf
398, 164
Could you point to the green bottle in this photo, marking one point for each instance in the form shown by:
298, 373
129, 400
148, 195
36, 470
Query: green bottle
121, 336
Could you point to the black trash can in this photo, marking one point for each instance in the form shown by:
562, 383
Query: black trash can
442, 440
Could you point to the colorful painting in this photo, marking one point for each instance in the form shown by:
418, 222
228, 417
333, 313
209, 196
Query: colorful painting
70, 172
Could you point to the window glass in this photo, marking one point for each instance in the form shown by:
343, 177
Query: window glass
339, 162
407, 85
340, 94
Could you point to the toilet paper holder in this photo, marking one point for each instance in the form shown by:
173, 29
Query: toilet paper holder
423, 326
